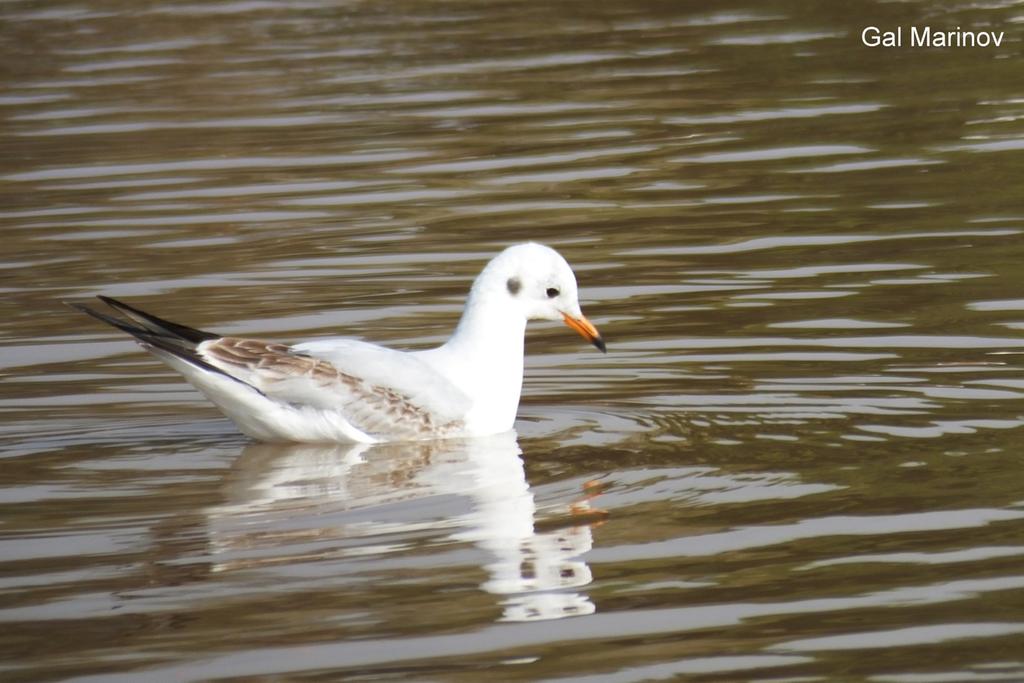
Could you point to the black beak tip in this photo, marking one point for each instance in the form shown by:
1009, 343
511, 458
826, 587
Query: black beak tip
599, 343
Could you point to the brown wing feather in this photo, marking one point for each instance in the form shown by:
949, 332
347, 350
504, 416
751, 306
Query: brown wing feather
374, 408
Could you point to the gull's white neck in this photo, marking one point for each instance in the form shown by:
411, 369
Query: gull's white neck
484, 358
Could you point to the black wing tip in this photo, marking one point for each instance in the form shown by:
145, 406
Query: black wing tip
147, 322
154, 341
111, 301
122, 325
77, 306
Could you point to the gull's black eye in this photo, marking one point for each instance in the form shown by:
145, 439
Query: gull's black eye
552, 292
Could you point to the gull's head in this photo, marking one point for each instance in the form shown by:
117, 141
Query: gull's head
536, 281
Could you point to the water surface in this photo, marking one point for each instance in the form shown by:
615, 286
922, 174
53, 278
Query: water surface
799, 460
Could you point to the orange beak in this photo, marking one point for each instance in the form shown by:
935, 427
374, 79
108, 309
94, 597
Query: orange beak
586, 330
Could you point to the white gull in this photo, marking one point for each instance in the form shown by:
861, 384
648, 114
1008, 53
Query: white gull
345, 390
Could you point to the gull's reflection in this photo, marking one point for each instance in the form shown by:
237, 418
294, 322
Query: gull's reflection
312, 494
